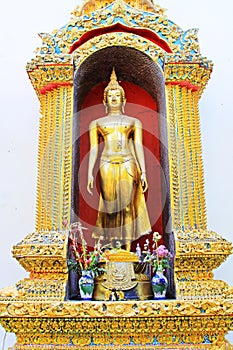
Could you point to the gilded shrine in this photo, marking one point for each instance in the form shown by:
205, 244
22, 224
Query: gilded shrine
158, 76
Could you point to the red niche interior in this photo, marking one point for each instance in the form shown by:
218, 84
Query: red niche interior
139, 105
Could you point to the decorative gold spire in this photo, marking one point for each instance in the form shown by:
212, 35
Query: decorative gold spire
93, 5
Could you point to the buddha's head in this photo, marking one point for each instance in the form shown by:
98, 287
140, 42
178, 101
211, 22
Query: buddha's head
114, 95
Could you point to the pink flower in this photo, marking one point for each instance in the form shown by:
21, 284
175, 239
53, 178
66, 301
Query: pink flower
162, 251
89, 261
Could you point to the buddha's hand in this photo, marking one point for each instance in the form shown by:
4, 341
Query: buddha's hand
90, 184
144, 182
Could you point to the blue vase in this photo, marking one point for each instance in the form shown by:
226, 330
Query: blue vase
159, 285
86, 285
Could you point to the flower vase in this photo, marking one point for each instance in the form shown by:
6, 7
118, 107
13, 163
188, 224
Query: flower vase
86, 285
159, 285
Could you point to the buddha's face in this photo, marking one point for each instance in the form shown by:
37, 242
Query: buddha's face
114, 98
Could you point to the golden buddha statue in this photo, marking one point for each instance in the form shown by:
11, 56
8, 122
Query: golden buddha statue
122, 213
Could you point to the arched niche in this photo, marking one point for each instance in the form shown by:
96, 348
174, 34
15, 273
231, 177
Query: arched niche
143, 82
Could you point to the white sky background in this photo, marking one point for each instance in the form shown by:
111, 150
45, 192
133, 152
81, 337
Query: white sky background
20, 22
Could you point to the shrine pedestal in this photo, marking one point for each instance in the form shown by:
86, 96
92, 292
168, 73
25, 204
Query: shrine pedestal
174, 324
199, 318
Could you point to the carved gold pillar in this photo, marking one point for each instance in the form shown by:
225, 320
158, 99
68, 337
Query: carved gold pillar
54, 155
54, 161
173, 156
185, 151
198, 169
43, 252
198, 251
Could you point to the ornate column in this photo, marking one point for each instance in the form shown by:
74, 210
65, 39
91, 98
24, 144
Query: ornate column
43, 253
198, 251
184, 85
54, 86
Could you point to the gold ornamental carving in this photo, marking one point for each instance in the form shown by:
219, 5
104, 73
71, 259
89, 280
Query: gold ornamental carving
92, 309
52, 76
169, 328
91, 5
121, 255
195, 73
201, 242
119, 276
224, 346
56, 46
118, 39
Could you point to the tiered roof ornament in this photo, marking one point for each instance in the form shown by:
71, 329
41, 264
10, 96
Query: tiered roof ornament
93, 26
